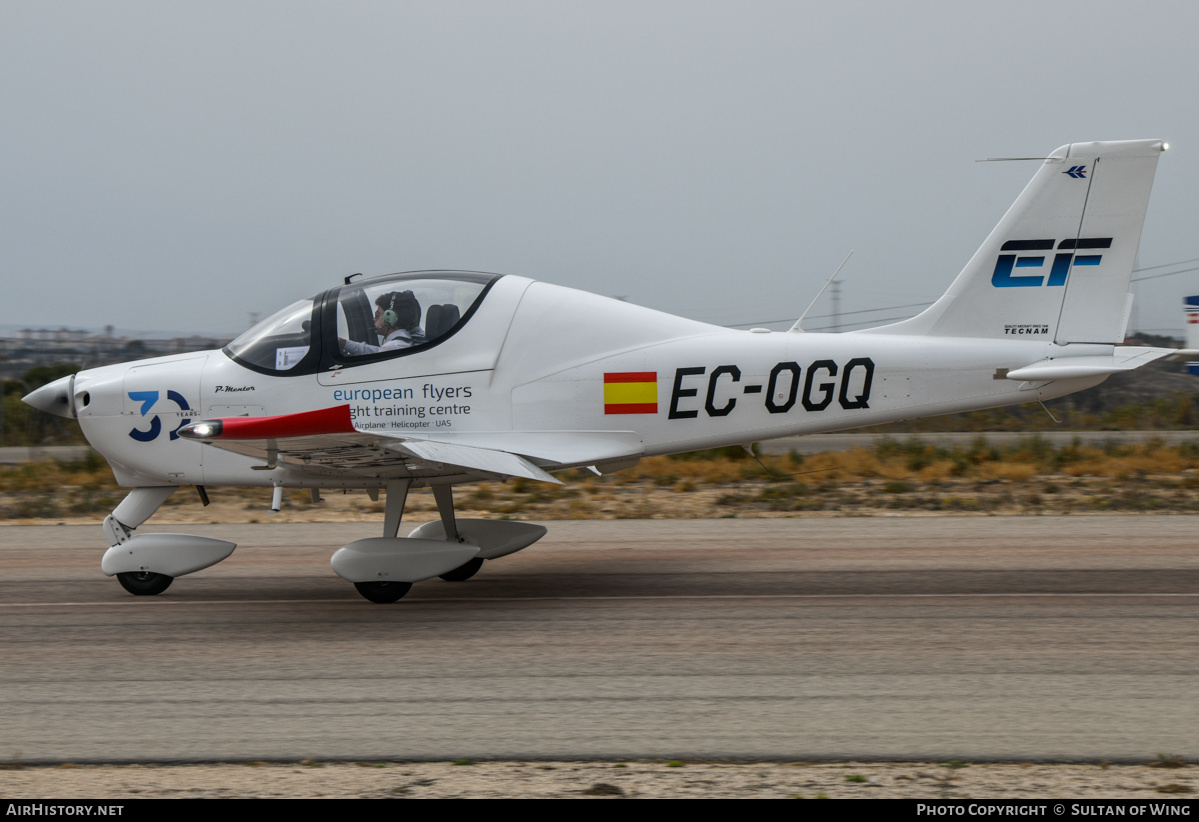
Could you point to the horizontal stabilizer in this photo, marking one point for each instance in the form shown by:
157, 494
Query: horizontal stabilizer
1123, 358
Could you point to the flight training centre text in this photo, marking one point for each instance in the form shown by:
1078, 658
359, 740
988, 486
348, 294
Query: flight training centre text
400, 416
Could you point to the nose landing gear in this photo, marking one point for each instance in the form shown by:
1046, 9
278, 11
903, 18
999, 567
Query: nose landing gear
144, 583
147, 564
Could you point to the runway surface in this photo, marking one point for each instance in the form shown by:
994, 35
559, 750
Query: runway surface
861, 638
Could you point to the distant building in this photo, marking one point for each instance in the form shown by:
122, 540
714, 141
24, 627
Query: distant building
52, 335
32, 347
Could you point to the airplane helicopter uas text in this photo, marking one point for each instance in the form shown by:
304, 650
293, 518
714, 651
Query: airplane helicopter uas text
431, 379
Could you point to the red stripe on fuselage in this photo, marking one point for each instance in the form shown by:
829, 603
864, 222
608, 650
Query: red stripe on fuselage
334, 420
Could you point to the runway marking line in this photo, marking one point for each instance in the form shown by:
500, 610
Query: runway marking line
349, 601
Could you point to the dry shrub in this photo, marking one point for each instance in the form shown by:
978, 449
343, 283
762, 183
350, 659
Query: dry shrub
635, 509
579, 509
482, 492
827, 466
90, 479
860, 462
715, 472
939, 470
650, 468
1098, 467
853, 464
1153, 460
1163, 460
895, 468
1131, 466
1009, 471
49, 476
665, 471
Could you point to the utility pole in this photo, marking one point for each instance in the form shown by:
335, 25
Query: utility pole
836, 306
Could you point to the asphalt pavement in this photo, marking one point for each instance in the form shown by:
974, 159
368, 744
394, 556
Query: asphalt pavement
973, 638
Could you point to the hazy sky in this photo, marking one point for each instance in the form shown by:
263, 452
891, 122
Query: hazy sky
168, 165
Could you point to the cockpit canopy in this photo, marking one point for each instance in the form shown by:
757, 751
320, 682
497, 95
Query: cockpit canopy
365, 321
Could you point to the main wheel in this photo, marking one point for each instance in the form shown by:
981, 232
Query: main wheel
383, 592
464, 571
144, 583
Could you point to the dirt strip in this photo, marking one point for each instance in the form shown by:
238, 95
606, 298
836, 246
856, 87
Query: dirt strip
646, 780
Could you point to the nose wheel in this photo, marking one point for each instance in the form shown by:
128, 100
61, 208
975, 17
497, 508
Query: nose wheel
144, 583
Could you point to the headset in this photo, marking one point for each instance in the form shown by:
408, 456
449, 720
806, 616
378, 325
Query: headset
390, 317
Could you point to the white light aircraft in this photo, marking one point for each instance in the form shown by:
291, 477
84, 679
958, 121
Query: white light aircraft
436, 378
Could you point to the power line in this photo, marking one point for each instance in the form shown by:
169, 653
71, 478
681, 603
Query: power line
826, 316
1164, 265
864, 322
924, 305
1167, 274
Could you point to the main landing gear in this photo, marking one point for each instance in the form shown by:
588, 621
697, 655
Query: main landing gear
464, 571
384, 568
383, 593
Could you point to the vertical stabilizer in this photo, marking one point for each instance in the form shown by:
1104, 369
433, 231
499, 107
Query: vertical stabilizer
1058, 265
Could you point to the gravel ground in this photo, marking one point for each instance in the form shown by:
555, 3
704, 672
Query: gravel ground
645, 780
1051, 494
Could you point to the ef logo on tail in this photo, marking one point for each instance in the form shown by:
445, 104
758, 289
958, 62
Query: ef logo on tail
1007, 265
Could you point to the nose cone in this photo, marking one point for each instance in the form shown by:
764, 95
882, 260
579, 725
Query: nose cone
53, 397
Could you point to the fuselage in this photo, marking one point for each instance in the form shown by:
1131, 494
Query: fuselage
536, 358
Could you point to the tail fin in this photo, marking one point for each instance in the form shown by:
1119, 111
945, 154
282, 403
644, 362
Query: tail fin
1058, 265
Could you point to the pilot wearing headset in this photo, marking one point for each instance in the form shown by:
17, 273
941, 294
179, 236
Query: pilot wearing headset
397, 321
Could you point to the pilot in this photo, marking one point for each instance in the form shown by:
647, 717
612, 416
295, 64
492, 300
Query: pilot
397, 321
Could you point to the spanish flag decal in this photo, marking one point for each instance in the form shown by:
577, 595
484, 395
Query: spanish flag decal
631, 392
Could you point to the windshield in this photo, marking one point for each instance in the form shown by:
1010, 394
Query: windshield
280, 342
390, 316
362, 322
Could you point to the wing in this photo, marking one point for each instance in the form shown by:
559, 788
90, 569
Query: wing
326, 440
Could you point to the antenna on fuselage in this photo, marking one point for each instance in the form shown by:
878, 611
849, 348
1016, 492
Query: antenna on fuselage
796, 327
352, 276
